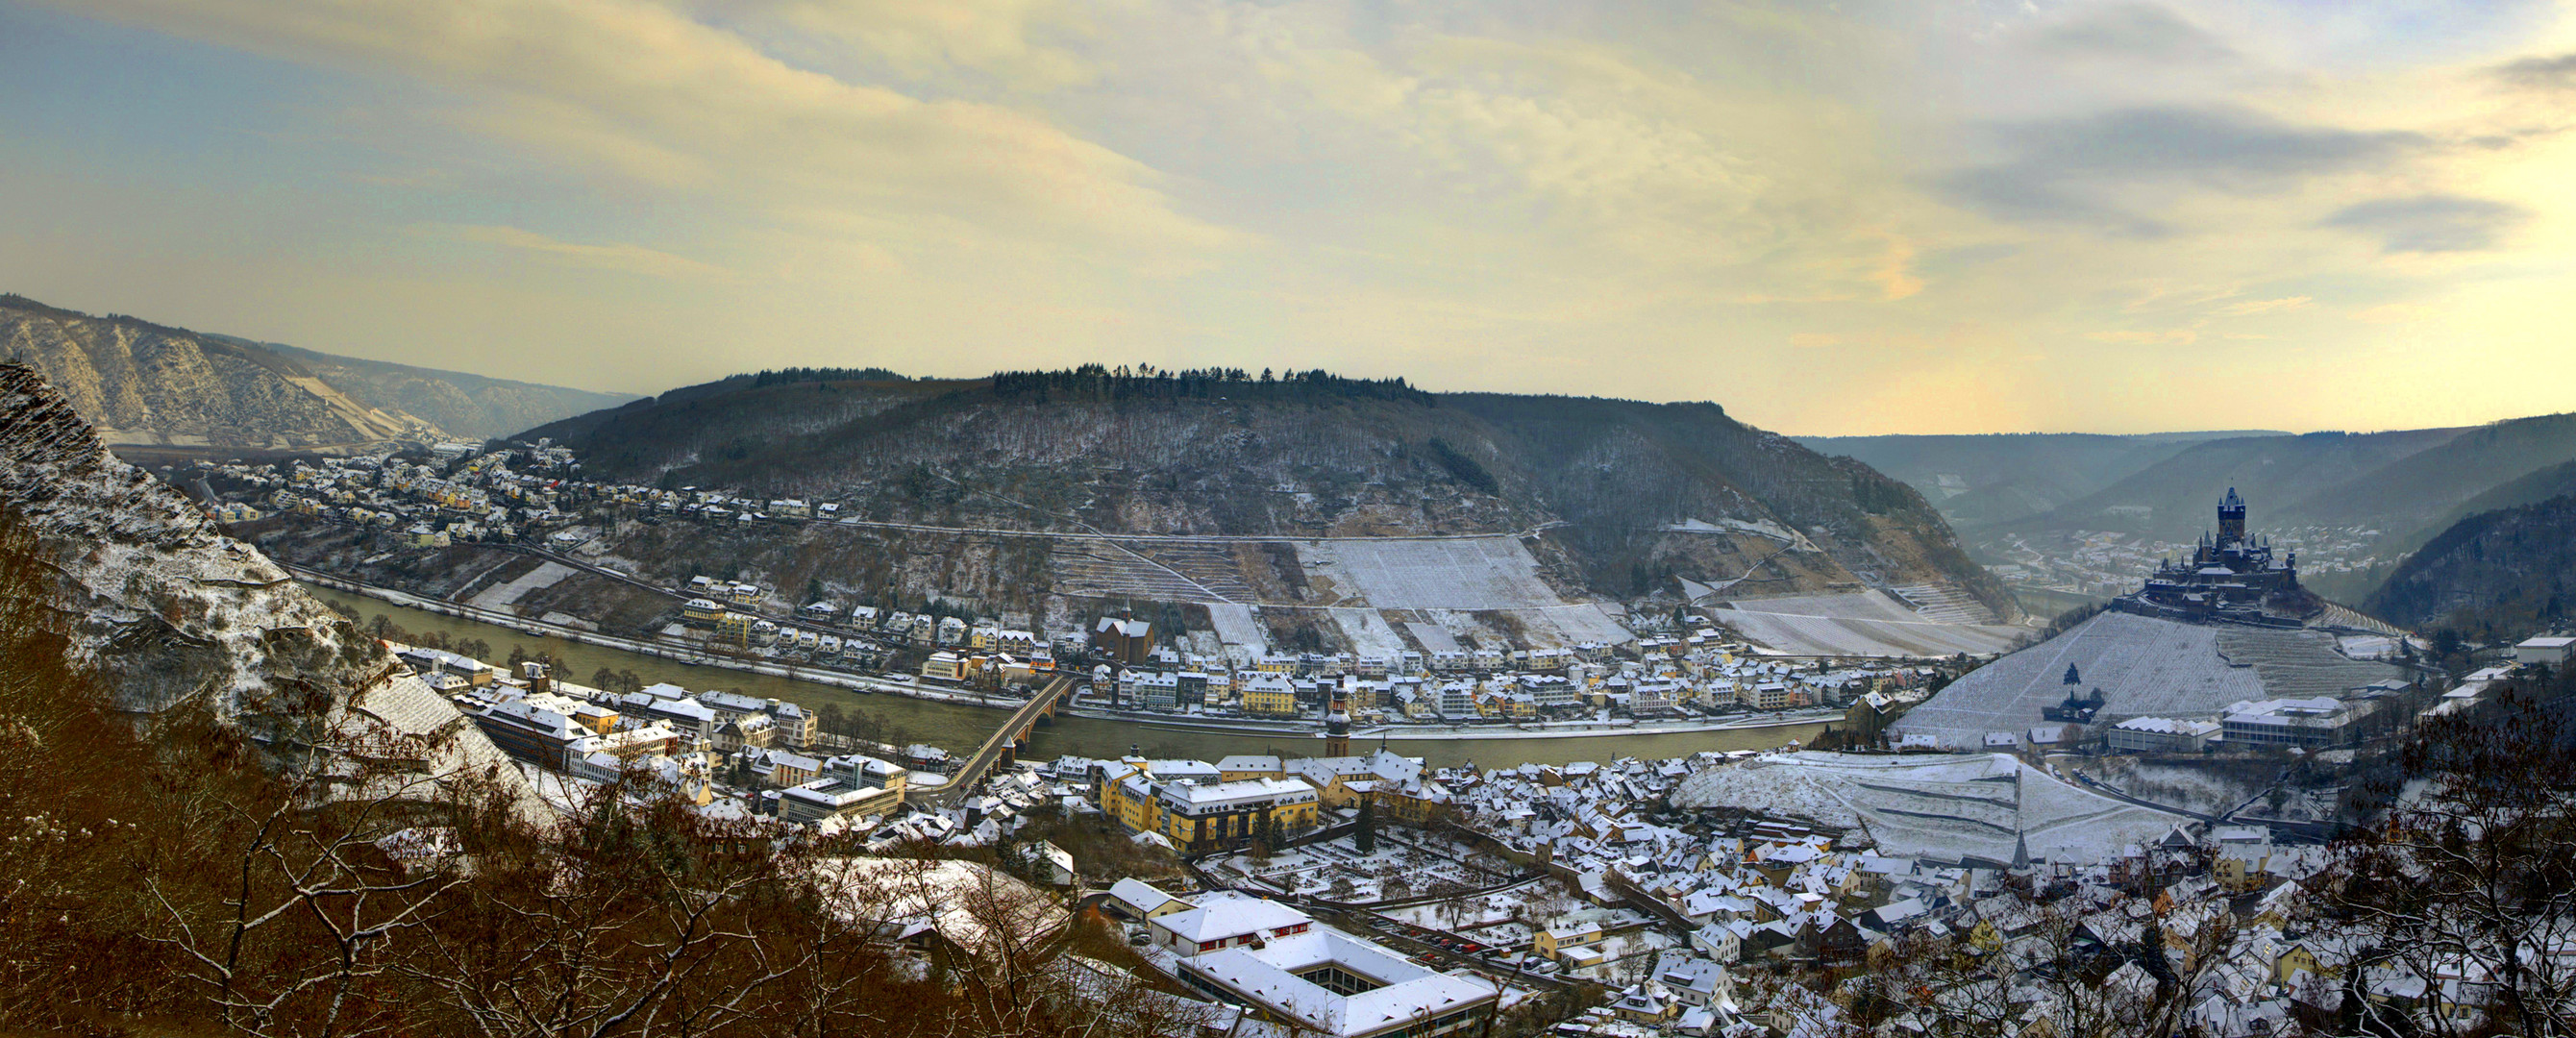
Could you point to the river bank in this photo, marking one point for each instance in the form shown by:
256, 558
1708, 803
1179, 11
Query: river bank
960, 721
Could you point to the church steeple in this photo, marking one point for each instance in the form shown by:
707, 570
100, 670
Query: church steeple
1337, 726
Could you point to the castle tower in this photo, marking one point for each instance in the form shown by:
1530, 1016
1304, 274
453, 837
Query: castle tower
2231, 519
1337, 726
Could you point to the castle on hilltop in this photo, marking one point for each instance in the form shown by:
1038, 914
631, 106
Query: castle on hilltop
2230, 576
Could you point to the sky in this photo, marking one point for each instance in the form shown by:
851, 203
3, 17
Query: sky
1831, 218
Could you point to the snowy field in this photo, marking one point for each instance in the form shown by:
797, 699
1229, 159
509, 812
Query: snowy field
1369, 633
2190, 787
2145, 667
1432, 637
1945, 807
502, 596
1236, 624
1464, 574
1859, 623
1467, 573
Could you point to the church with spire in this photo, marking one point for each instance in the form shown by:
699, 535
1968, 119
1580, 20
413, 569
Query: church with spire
2231, 576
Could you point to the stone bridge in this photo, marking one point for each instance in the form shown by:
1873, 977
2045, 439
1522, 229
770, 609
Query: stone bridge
1003, 747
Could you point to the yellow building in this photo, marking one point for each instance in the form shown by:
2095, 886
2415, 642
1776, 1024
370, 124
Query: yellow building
2297, 959
1269, 696
1248, 766
1229, 814
1200, 815
1557, 942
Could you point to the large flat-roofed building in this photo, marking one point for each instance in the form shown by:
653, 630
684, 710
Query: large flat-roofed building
2550, 649
851, 785
528, 731
2307, 723
2162, 735
1323, 981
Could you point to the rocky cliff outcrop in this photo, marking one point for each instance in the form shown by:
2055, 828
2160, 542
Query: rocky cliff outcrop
167, 611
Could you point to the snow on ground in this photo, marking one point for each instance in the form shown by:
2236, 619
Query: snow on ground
1432, 637
1336, 870
2190, 787
1626, 957
1461, 573
1489, 916
1235, 623
2144, 667
500, 596
1947, 807
1369, 633
1860, 623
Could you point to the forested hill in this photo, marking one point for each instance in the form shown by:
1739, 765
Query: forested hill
2502, 573
1635, 494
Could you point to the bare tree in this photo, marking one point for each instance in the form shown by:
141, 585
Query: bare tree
2467, 887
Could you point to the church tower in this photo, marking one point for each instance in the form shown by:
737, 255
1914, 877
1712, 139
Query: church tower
1337, 726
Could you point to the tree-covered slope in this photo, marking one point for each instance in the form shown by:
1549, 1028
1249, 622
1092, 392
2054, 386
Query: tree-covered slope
2500, 573
1308, 455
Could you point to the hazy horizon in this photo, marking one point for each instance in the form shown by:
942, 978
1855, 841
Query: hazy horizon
1876, 218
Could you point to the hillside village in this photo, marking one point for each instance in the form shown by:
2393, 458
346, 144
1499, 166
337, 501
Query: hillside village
1360, 892
1595, 889
1363, 893
531, 498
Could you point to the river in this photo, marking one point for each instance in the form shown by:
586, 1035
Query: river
960, 728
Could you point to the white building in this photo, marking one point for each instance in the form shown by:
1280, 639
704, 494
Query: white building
2162, 735
2550, 649
1320, 980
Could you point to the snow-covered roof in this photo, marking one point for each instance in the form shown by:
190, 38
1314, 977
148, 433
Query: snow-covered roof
1270, 977
1226, 915
1138, 893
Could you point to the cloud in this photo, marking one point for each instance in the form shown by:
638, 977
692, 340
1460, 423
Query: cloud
1013, 41
2432, 223
632, 259
640, 92
2101, 169
2394, 313
1597, 159
2173, 336
2264, 306
2139, 32
2550, 73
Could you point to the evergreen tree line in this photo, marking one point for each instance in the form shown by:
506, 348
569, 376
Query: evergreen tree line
1099, 382
784, 376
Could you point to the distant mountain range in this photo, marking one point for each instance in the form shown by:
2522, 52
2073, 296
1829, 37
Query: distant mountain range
1616, 498
2399, 491
1979, 481
142, 383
